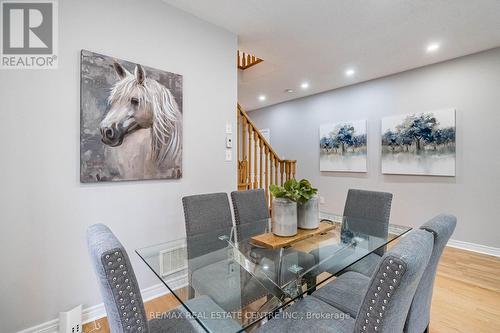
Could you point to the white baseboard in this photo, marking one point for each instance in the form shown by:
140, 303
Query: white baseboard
97, 311
47, 327
492, 251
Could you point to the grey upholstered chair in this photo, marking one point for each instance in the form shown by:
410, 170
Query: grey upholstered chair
122, 296
384, 304
345, 292
362, 206
250, 207
208, 216
442, 227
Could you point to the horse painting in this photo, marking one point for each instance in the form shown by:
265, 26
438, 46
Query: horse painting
138, 126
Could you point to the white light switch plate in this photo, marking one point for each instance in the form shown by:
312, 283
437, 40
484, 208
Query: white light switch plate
229, 155
229, 128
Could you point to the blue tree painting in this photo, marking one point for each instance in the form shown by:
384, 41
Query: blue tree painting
419, 144
343, 146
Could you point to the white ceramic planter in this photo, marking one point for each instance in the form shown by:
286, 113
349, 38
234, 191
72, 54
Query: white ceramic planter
284, 219
308, 214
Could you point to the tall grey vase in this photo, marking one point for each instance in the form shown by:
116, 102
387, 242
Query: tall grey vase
284, 219
308, 214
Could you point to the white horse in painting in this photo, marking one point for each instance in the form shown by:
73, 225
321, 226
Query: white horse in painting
142, 129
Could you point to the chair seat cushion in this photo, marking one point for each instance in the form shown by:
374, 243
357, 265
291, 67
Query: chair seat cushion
366, 266
309, 315
346, 292
179, 320
227, 284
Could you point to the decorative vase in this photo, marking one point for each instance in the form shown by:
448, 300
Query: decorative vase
308, 214
284, 219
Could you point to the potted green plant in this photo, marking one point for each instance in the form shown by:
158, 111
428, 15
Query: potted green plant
307, 205
284, 213
295, 204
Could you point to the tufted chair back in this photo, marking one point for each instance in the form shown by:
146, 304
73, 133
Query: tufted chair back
442, 227
392, 286
375, 207
116, 278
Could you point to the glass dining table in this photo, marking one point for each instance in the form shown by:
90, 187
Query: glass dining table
251, 274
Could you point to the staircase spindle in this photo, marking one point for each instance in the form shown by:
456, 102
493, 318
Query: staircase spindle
266, 174
276, 170
255, 145
249, 166
261, 153
245, 153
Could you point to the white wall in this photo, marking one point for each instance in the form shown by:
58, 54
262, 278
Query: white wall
44, 210
470, 84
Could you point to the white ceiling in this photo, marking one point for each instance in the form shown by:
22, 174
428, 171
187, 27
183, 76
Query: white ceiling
317, 40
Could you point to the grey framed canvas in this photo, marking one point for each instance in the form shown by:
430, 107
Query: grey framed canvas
343, 146
419, 144
131, 121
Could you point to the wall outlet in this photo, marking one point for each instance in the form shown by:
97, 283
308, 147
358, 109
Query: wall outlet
229, 128
229, 141
229, 154
321, 200
71, 321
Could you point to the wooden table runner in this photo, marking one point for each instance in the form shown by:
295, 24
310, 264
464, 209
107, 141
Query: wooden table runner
271, 241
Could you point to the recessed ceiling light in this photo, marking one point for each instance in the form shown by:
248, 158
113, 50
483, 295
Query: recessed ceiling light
350, 72
433, 47
304, 85
289, 91
262, 97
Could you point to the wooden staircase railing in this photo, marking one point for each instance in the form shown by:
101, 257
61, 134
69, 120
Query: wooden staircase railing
246, 60
259, 166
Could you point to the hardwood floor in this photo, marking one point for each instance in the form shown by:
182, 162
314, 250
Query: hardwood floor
466, 296
466, 293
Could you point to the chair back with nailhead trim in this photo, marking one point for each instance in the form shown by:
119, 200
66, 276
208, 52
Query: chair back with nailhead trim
119, 289
393, 285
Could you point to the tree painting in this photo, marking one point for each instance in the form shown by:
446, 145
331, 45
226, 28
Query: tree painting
421, 144
343, 146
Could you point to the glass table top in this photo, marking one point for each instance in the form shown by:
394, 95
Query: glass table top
230, 274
